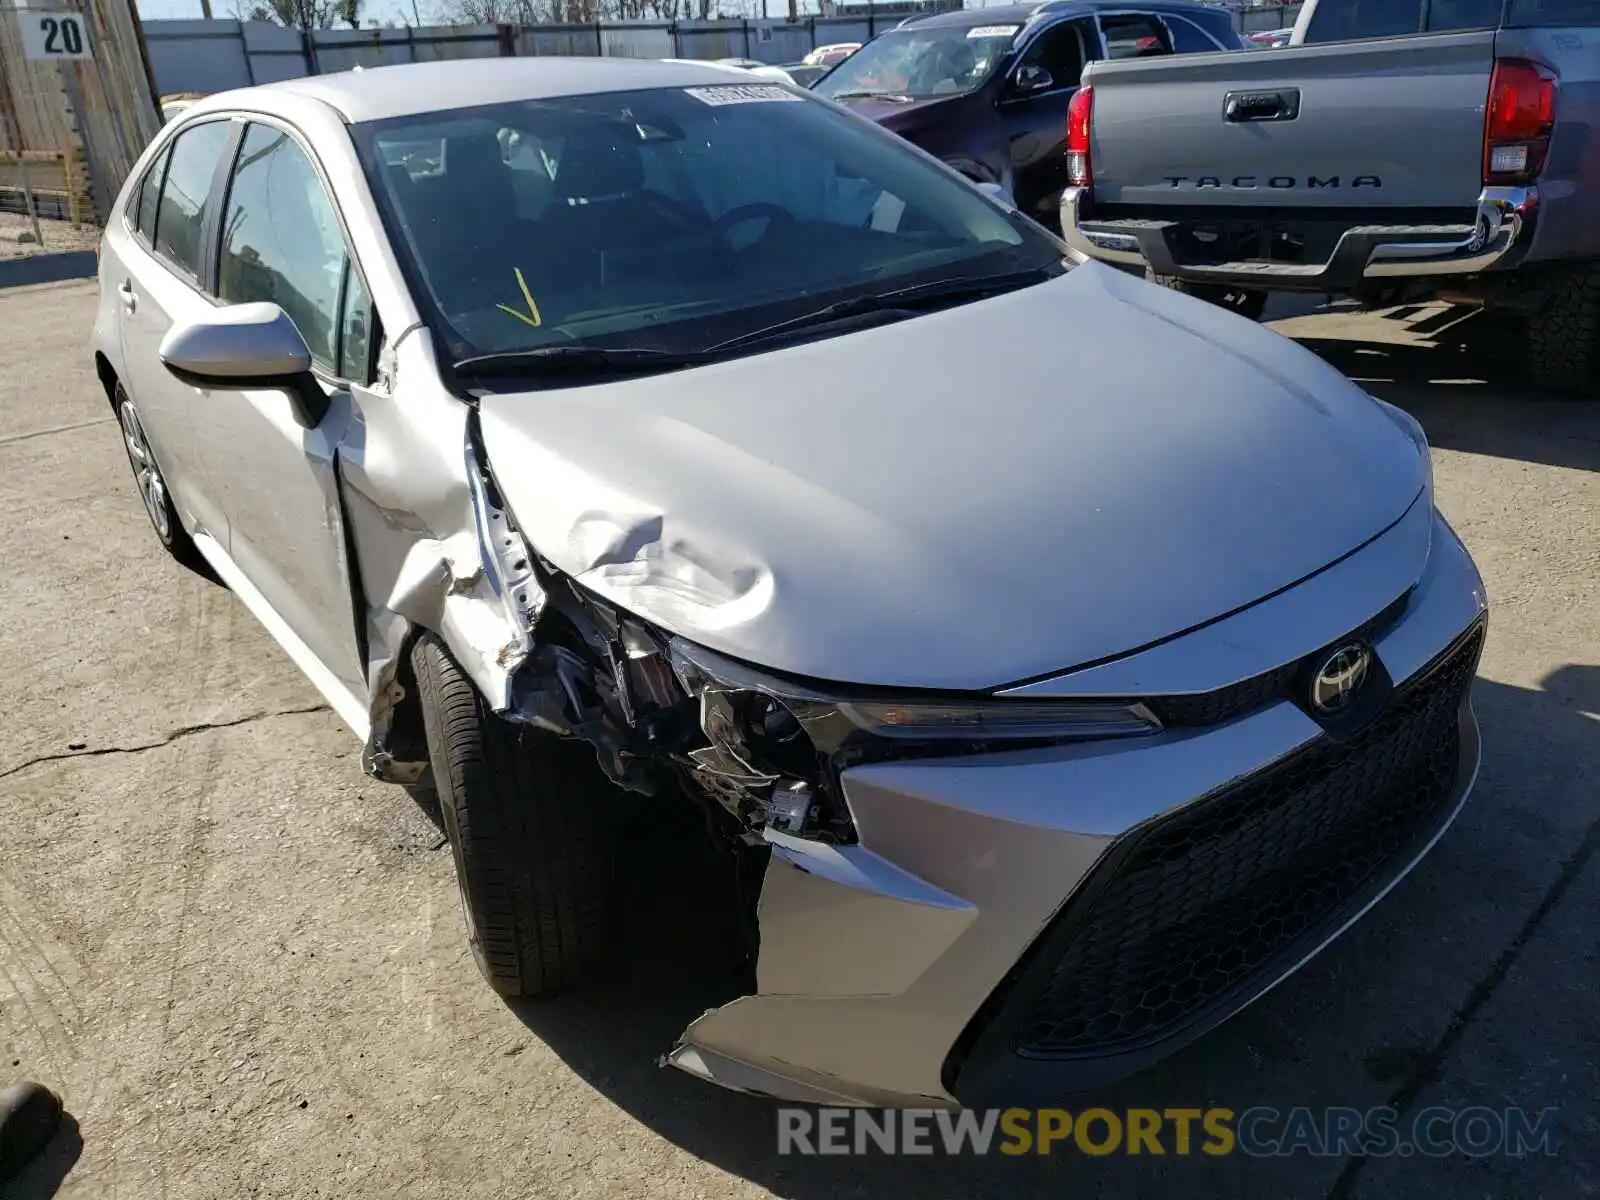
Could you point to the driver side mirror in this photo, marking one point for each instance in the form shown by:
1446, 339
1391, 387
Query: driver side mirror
1032, 78
247, 346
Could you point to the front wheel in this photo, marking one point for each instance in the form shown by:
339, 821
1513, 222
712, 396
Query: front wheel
1247, 302
525, 814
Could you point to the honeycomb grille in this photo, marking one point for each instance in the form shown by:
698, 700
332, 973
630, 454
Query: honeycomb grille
1199, 902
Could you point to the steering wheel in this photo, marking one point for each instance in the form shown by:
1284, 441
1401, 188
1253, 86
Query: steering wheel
735, 217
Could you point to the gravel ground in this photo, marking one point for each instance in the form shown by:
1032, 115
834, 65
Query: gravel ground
58, 236
242, 963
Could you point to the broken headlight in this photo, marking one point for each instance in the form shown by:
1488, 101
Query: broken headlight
782, 743
1002, 720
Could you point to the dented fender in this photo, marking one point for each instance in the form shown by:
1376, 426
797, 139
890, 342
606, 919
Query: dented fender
431, 549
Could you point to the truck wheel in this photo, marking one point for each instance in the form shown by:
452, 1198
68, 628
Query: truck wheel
1563, 337
1247, 302
524, 814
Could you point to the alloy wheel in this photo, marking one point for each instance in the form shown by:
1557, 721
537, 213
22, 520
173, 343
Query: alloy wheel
152, 487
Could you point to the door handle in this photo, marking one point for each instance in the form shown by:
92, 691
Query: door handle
1261, 106
129, 300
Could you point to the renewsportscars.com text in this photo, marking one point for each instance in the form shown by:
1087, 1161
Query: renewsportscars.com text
1258, 1132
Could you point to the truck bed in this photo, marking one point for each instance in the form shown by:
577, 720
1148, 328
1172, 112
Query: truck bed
1392, 124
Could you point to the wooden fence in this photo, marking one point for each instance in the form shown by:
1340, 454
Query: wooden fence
55, 181
94, 115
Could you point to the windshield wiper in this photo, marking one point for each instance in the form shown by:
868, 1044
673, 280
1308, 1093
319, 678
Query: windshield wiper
871, 94
921, 296
578, 360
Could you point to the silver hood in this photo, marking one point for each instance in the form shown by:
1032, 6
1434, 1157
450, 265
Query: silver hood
965, 499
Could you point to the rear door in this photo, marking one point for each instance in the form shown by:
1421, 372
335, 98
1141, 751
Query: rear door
163, 271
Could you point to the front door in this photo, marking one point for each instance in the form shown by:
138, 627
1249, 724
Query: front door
1036, 120
280, 241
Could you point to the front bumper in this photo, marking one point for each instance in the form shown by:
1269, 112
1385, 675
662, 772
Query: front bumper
1497, 239
999, 930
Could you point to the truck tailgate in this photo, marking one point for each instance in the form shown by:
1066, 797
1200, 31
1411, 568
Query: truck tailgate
1390, 123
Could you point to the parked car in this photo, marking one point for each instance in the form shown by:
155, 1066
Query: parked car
1238, 175
986, 89
1048, 701
830, 56
177, 102
1269, 39
804, 74
753, 66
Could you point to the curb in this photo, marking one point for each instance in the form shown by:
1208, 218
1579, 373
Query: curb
48, 268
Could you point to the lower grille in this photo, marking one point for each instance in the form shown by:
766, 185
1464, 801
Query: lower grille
1191, 907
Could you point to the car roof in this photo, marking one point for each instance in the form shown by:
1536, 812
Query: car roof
1021, 14
415, 88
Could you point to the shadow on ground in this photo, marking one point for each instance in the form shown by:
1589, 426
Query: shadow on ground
1468, 390
1368, 1023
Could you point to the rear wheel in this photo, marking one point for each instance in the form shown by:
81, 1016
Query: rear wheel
526, 817
1247, 302
153, 487
1563, 337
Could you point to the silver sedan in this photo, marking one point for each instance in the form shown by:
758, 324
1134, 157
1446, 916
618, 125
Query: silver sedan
1058, 661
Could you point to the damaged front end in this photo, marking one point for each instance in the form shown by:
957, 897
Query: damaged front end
761, 754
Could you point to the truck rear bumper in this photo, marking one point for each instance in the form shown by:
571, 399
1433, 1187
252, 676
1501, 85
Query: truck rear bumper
1498, 239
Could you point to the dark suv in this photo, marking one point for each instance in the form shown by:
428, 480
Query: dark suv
987, 89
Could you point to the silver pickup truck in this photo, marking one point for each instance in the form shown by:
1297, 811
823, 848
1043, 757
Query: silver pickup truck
1396, 150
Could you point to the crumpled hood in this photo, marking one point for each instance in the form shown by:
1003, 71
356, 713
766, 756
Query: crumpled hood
965, 499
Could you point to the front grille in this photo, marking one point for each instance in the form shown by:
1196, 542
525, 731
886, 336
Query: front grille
1237, 699
1191, 907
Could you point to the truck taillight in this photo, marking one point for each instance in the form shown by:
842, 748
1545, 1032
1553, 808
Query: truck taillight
1079, 113
1517, 122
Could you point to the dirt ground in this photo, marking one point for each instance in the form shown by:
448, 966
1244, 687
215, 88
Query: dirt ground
241, 961
57, 235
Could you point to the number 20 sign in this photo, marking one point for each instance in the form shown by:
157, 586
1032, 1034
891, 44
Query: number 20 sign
54, 34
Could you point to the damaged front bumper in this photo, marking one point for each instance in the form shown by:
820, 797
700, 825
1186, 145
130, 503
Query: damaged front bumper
1046, 920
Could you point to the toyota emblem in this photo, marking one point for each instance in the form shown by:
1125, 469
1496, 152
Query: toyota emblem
1339, 677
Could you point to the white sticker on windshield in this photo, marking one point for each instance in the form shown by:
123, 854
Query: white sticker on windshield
741, 93
992, 30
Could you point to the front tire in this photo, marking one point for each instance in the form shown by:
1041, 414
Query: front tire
1247, 302
525, 816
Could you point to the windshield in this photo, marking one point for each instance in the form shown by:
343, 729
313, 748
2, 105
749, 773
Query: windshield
920, 63
668, 219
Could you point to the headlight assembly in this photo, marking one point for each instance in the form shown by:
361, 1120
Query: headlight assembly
1001, 720
762, 729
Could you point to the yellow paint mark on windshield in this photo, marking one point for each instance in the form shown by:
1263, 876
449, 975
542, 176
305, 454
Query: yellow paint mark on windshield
531, 317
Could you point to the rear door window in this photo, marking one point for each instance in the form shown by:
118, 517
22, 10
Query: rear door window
149, 197
1553, 12
1447, 15
1188, 38
191, 167
1352, 20
1135, 35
